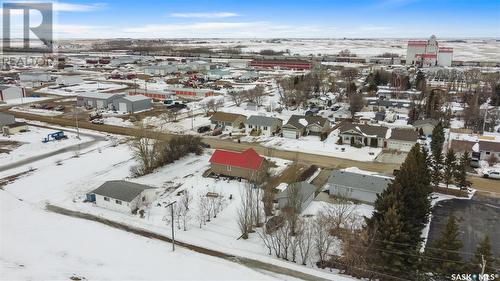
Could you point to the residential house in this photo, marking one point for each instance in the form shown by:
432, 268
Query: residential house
462, 146
247, 164
122, 196
427, 125
364, 135
296, 193
267, 126
229, 121
132, 103
402, 139
399, 106
356, 186
300, 125
489, 149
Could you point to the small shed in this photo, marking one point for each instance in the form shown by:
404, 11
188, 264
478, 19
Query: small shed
303, 192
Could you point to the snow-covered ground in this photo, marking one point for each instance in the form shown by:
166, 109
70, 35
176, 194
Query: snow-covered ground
68, 185
471, 49
30, 144
37, 111
23, 101
329, 147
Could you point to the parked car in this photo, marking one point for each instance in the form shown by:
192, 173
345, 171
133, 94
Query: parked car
98, 121
205, 145
474, 163
59, 108
493, 174
203, 129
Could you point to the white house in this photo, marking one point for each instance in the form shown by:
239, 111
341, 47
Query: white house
34, 79
8, 92
123, 196
402, 139
262, 125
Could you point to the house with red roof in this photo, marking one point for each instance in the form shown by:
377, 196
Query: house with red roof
247, 164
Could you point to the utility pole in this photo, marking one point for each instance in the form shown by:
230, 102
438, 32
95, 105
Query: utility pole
76, 121
171, 204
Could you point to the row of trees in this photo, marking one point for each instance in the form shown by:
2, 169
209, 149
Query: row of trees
151, 151
447, 169
255, 95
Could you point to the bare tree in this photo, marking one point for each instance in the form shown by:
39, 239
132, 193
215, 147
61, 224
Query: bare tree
305, 235
185, 202
245, 212
323, 241
202, 209
237, 97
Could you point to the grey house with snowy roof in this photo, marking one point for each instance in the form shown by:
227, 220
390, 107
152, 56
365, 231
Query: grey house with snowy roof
262, 125
123, 196
356, 186
364, 135
300, 125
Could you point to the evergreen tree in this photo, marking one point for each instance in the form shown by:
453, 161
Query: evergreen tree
390, 240
449, 167
443, 256
483, 253
437, 165
461, 171
420, 81
409, 194
437, 139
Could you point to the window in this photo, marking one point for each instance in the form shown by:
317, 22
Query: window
487, 153
250, 126
265, 128
118, 202
229, 168
143, 198
106, 198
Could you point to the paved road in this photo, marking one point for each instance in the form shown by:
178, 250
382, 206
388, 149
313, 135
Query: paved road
71, 148
477, 217
307, 158
251, 263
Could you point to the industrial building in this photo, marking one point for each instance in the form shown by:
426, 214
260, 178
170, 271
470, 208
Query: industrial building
132, 104
97, 100
192, 94
11, 92
427, 53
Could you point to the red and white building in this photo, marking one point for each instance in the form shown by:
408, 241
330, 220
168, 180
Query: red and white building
427, 53
192, 94
282, 64
155, 95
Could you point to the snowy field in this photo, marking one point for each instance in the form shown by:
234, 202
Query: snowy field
23, 101
31, 144
37, 111
472, 49
69, 184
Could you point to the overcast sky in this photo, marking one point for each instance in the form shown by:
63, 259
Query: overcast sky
270, 18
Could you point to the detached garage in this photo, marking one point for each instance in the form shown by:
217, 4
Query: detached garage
132, 104
11, 92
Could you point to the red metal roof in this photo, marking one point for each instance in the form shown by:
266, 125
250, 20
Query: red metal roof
248, 159
445, 50
417, 43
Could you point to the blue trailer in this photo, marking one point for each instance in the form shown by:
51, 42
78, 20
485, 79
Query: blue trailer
55, 136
